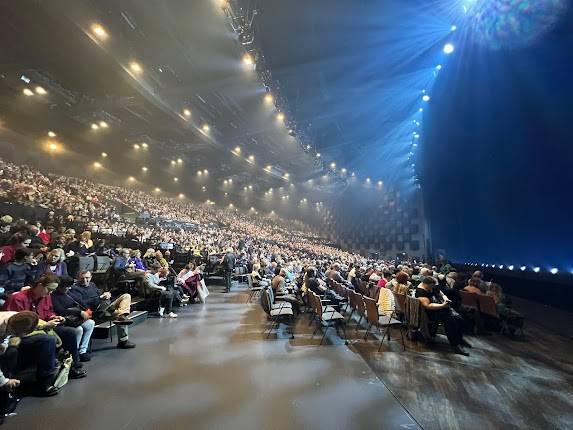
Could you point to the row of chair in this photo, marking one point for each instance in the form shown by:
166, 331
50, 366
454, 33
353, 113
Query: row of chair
485, 305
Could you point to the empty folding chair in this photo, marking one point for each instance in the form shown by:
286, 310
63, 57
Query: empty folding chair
385, 321
254, 292
327, 317
276, 312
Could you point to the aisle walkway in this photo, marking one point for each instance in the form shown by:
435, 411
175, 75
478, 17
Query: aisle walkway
212, 368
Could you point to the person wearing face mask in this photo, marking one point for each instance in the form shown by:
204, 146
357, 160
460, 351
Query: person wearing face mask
103, 307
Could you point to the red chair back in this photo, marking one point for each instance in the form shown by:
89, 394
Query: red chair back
487, 305
469, 299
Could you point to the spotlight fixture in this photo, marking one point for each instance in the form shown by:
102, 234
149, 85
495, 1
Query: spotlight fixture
144, 145
380, 183
181, 196
179, 160
343, 170
28, 92
97, 165
131, 179
449, 48
95, 126
536, 269
186, 113
510, 267
205, 171
453, 27
173, 162
206, 128
144, 169
175, 179
136, 146
523, 268
439, 67
269, 98
51, 134
199, 172
157, 189
237, 149
251, 158
368, 180
554, 271
318, 155
248, 59
333, 165
103, 124
99, 31
53, 147
104, 154
135, 67
41, 91
426, 98
280, 117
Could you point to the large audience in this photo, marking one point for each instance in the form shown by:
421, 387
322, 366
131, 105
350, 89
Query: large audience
51, 306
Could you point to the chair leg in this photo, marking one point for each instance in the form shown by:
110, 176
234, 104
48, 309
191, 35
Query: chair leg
291, 326
358, 323
271, 328
324, 333
350, 316
319, 326
343, 324
367, 330
402, 336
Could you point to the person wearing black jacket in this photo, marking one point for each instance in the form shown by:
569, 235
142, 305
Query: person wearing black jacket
228, 262
86, 292
76, 314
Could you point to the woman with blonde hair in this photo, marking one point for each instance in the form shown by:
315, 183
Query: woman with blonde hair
55, 263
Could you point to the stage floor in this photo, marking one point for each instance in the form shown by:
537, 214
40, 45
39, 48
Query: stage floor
212, 368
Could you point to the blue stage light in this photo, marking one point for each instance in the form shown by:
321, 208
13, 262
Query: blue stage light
439, 67
426, 98
523, 268
453, 27
554, 271
536, 269
510, 267
449, 48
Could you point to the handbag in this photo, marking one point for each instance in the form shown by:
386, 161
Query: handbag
73, 321
203, 291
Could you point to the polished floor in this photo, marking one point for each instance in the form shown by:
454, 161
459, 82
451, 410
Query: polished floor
212, 368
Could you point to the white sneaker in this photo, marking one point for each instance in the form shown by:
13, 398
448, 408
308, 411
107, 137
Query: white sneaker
161, 310
172, 315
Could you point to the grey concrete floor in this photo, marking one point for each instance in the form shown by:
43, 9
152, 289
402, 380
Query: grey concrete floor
213, 368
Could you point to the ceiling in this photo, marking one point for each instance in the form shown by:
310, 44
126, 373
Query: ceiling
188, 58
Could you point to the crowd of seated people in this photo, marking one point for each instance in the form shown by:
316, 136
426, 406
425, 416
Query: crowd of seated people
37, 260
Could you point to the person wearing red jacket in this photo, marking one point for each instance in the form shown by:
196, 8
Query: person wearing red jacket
37, 299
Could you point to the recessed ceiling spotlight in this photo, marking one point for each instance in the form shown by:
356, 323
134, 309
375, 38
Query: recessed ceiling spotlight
135, 67
144, 169
247, 59
28, 92
51, 134
136, 146
99, 31
280, 117
104, 154
269, 98
95, 126
187, 113
103, 124
144, 145
97, 164
206, 128
41, 91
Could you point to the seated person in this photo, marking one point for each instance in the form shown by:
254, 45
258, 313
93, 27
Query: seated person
55, 264
189, 278
135, 262
473, 286
438, 309
153, 278
38, 299
401, 286
258, 280
21, 350
77, 315
86, 294
278, 284
18, 273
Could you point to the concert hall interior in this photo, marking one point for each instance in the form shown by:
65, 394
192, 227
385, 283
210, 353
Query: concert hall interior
280, 214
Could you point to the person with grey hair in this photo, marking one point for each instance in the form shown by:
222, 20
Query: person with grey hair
228, 262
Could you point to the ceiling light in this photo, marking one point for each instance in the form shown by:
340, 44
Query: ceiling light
554, 271
247, 59
95, 126
280, 117
199, 172
205, 171
230, 181
104, 154
41, 91
51, 134
238, 149
175, 179
333, 165
187, 112
53, 146
135, 67
252, 157
318, 154
27, 92
135, 146
181, 196
173, 162
99, 31
379, 183
179, 160
269, 98
97, 165
131, 179
536, 269
250, 187
523, 268
157, 189
144, 145
286, 175
206, 128
144, 169
343, 170
426, 98
367, 179
449, 48
103, 124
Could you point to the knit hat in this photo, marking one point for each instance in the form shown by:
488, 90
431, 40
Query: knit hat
23, 323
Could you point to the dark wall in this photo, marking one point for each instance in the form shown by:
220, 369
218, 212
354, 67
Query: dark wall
498, 154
